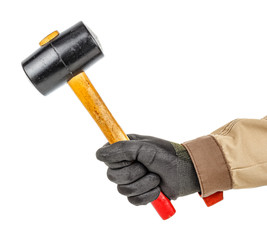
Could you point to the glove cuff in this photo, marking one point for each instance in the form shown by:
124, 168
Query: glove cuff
188, 182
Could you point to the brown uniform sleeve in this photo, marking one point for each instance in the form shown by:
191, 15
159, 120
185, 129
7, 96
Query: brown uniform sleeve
233, 156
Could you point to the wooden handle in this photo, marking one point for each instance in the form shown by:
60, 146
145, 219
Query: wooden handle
90, 98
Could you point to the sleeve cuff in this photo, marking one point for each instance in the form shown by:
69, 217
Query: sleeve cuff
210, 165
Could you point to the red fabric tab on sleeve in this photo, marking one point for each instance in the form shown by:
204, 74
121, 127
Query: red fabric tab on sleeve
213, 199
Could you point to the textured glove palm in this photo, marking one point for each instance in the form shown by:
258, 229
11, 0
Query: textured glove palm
147, 165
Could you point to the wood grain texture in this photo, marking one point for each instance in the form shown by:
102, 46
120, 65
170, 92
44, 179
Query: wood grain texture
90, 98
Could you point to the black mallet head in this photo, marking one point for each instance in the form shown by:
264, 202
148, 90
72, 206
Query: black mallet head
61, 58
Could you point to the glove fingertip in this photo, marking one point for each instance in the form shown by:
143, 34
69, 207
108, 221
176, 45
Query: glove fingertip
100, 154
134, 136
145, 198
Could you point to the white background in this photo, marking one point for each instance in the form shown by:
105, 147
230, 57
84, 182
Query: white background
172, 69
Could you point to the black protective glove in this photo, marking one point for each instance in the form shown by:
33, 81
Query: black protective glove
145, 165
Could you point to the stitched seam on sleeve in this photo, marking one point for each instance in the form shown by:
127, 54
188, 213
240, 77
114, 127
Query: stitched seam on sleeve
225, 128
197, 170
233, 123
224, 158
254, 165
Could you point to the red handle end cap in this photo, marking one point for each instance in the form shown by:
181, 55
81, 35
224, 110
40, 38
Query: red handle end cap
164, 207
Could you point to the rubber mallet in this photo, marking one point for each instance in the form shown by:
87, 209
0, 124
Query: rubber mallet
63, 58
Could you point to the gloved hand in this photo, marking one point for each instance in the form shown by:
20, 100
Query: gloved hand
145, 165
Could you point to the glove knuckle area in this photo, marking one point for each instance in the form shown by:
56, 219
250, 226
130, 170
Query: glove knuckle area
117, 165
127, 174
101, 153
142, 185
119, 151
145, 198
